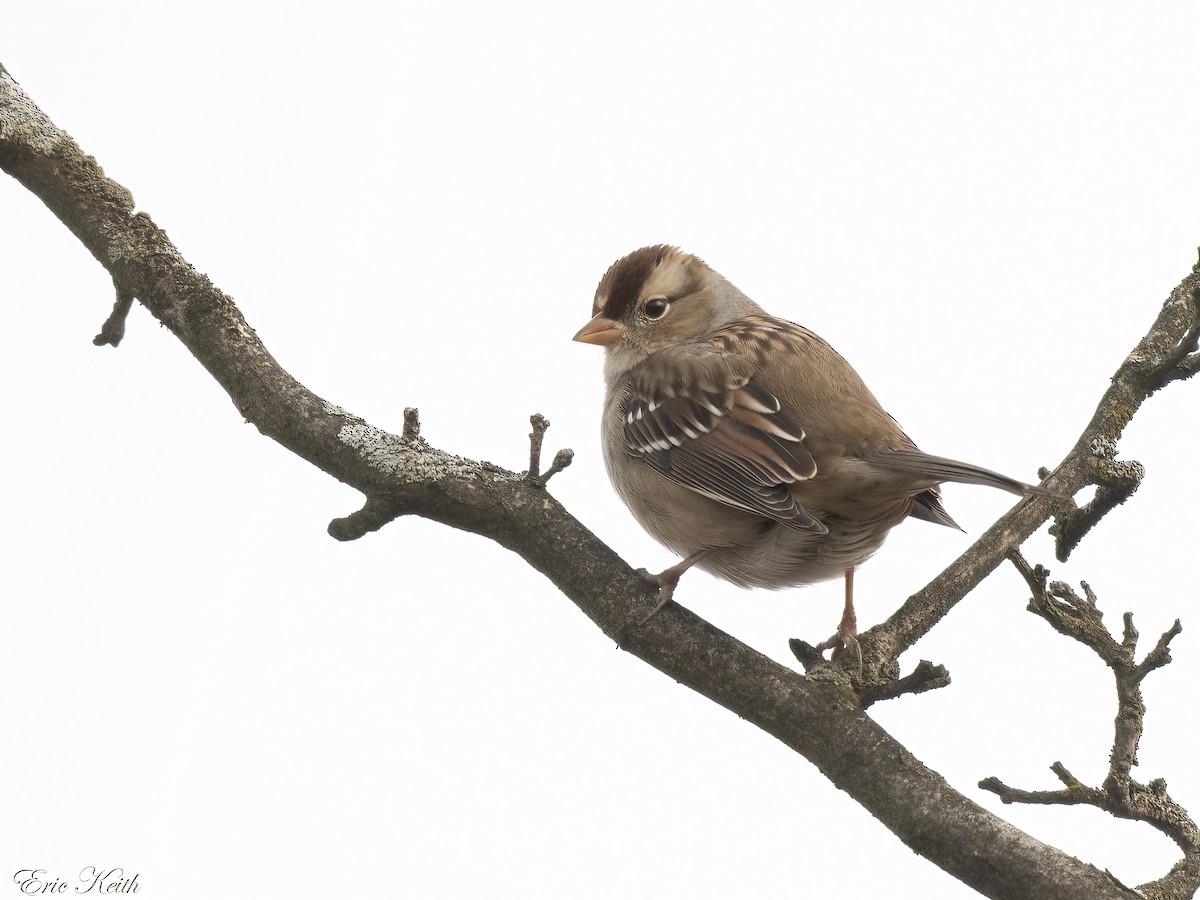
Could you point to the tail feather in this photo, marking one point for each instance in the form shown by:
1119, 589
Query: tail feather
942, 469
927, 505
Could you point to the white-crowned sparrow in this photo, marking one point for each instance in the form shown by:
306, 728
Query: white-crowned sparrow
744, 442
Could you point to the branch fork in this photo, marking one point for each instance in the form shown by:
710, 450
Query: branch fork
561, 460
1081, 619
1115, 480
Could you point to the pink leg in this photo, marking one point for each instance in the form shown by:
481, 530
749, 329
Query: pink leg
845, 639
666, 581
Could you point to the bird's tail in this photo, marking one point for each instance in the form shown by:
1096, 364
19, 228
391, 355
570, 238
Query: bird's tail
942, 469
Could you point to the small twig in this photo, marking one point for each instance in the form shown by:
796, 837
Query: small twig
412, 424
1129, 636
1034, 577
925, 677
1160, 655
375, 513
561, 460
1066, 612
1184, 361
113, 328
540, 423
1185, 368
1080, 618
1115, 480
1074, 791
1064, 775
808, 655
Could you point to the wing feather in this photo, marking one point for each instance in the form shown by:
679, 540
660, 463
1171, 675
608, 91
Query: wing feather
698, 416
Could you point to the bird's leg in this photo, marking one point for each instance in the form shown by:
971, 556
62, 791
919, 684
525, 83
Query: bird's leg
845, 639
666, 580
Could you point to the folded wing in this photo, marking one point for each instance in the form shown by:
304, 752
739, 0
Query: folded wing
702, 420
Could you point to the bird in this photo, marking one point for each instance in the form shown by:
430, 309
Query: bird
745, 443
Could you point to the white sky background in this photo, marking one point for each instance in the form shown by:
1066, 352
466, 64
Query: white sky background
982, 209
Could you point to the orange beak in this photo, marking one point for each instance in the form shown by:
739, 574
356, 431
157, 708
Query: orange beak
600, 330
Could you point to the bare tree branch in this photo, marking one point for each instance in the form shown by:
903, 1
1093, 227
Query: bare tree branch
1073, 793
1153, 364
816, 716
373, 515
113, 329
540, 424
925, 677
1186, 368
412, 424
1080, 618
561, 460
1115, 481
1184, 361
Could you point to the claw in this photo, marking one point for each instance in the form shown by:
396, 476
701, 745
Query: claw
845, 639
842, 642
666, 581
666, 590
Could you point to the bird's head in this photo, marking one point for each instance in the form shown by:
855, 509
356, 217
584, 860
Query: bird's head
657, 297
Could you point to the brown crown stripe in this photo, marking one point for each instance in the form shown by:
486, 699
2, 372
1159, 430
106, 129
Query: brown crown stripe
619, 288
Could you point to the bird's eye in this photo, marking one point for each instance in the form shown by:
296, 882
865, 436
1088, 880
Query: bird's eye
655, 308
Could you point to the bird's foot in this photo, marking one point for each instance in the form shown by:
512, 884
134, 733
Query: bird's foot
843, 641
666, 583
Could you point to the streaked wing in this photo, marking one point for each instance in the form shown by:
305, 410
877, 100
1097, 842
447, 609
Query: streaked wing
701, 419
